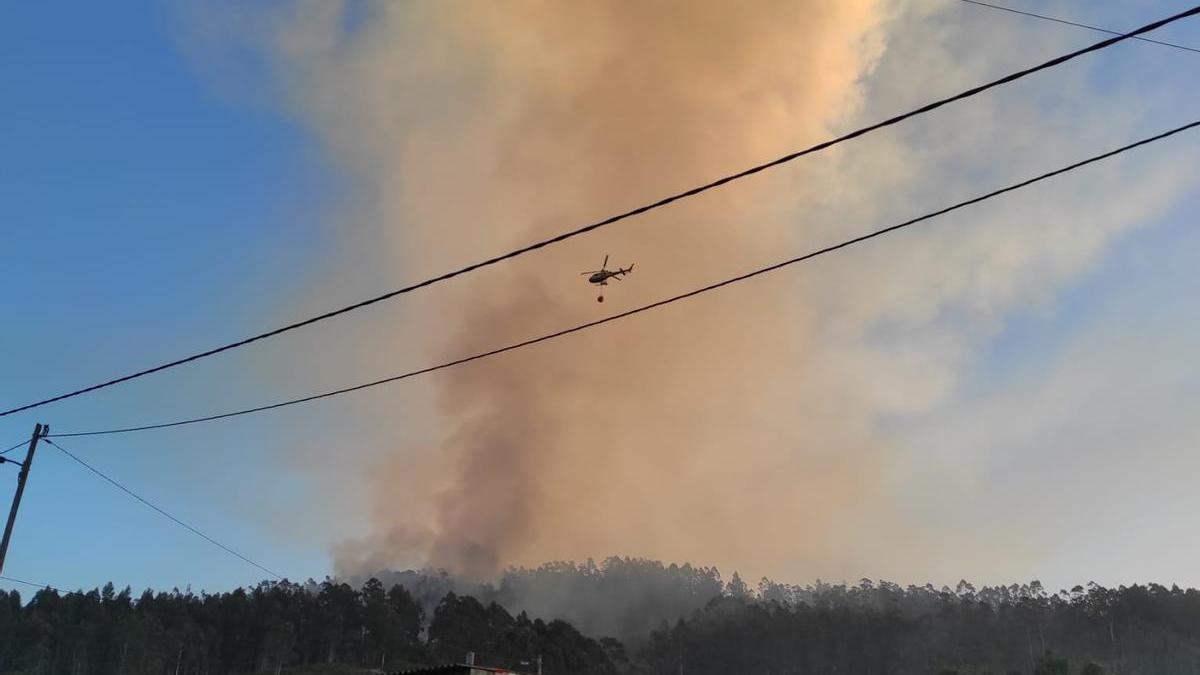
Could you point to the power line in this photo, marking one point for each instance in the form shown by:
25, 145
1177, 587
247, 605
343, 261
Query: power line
628, 214
660, 303
30, 583
18, 445
1076, 24
177, 521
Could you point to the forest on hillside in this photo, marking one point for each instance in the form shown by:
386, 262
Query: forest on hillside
699, 622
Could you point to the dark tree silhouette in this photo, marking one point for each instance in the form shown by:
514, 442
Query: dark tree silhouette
336, 627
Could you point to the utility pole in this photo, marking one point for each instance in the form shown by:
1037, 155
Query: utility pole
39, 431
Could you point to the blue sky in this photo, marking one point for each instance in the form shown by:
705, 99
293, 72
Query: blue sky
144, 215
147, 214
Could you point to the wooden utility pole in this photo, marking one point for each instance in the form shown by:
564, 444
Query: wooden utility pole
39, 431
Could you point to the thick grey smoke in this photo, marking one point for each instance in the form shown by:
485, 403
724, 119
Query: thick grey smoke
660, 436
748, 428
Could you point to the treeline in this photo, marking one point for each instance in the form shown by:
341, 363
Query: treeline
621, 597
273, 627
883, 628
870, 628
728, 626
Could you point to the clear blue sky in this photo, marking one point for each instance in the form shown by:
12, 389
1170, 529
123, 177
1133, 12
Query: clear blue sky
145, 215
142, 215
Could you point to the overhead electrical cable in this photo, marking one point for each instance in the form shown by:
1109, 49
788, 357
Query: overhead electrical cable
18, 445
172, 518
654, 305
30, 583
1076, 24
622, 216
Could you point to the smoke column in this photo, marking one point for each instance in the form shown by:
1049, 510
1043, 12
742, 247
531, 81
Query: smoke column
743, 428
487, 125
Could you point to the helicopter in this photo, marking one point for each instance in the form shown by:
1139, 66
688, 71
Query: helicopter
601, 276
